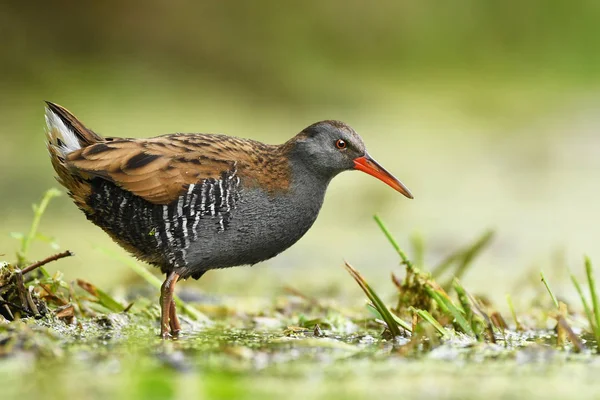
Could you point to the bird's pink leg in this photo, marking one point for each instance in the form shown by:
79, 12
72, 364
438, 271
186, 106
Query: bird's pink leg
168, 318
174, 320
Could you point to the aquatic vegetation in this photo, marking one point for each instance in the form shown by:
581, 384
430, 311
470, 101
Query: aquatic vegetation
86, 330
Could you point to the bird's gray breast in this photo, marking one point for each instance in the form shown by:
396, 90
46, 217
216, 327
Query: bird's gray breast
259, 226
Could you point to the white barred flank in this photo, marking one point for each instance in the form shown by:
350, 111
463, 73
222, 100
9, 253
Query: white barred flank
217, 199
211, 200
165, 233
202, 196
193, 204
223, 195
122, 206
167, 229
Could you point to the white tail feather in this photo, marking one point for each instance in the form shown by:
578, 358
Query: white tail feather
59, 135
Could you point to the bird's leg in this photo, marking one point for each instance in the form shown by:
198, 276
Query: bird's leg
166, 300
174, 320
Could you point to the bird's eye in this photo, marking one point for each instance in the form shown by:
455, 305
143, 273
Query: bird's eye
341, 144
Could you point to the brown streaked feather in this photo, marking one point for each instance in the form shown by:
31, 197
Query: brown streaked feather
159, 169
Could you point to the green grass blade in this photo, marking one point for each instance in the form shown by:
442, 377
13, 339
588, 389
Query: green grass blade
463, 257
418, 247
435, 296
463, 298
594, 294
154, 281
458, 316
549, 290
472, 252
108, 302
38, 211
103, 298
405, 325
445, 264
425, 315
586, 307
478, 318
388, 235
373, 310
379, 305
449, 308
513, 313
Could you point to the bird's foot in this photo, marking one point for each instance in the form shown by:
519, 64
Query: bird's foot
165, 335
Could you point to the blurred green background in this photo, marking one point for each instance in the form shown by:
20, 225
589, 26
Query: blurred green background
486, 110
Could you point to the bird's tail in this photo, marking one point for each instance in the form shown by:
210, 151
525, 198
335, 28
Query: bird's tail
65, 134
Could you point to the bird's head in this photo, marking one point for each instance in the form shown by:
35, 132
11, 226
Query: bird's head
330, 147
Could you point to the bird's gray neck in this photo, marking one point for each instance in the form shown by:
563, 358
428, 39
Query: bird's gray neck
307, 186
299, 207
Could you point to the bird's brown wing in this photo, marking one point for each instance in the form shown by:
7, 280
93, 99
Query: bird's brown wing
159, 169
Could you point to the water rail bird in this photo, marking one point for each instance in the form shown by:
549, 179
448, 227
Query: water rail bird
188, 203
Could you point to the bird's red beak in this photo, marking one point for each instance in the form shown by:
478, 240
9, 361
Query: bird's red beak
371, 167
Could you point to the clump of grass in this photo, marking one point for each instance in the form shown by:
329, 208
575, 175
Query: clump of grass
592, 314
23, 295
421, 297
563, 328
412, 290
467, 315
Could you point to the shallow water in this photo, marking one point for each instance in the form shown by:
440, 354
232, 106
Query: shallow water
129, 361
